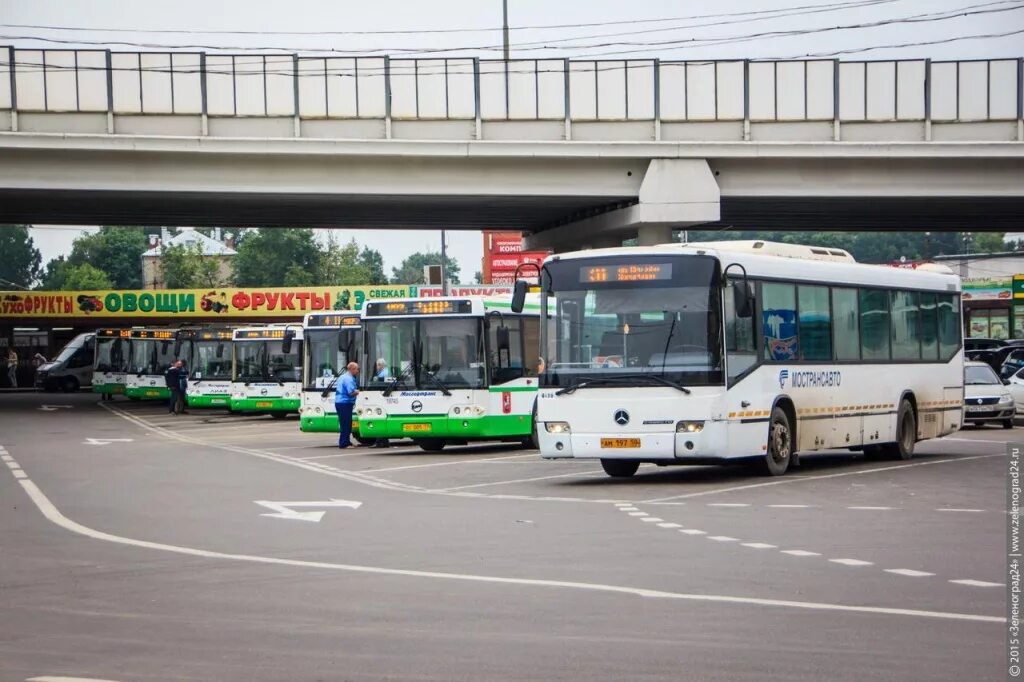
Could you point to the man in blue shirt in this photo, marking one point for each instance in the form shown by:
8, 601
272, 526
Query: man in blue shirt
344, 400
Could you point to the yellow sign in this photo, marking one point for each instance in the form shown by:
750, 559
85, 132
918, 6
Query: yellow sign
185, 303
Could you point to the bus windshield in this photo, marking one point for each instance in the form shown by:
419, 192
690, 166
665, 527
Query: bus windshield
151, 357
112, 355
211, 360
264, 360
326, 361
424, 351
622, 318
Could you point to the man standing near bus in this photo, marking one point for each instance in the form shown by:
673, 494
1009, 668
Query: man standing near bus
344, 400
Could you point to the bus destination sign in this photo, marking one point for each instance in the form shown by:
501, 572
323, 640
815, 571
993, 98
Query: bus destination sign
636, 272
333, 321
422, 307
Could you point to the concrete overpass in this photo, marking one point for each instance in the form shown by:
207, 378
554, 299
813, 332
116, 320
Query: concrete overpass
578, 153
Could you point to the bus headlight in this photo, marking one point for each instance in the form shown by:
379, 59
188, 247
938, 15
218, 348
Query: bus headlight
455, 410
556, 427
689, 427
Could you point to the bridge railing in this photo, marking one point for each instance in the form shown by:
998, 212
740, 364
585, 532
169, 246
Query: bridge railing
332, 87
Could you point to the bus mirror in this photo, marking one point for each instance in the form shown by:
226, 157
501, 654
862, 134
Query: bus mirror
286, 343
519, 295
177, 347
220, 350
346, 337
743, 300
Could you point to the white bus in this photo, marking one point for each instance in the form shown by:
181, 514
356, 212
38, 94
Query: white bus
207, 355
331, 341
455, 370
111, 362
267, 369
153, 352
698, 353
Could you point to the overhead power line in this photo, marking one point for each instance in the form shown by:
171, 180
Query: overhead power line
536, 27
642, 46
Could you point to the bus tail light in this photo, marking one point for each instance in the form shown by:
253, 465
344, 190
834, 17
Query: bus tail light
689, 427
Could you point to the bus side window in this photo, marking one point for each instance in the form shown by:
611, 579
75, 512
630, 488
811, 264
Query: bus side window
740, 346
505, 368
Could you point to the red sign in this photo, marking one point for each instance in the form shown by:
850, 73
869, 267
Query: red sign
511, 262
506, 403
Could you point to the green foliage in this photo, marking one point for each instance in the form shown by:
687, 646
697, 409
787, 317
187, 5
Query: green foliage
85, 277
116, 251
373, 262
411, 269
347, 264
278, 256
185, 267
55, 275
19, 258
873, 247
478, 277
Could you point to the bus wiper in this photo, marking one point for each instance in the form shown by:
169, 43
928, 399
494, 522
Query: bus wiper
624, 378
333, 386
399, 379
440, 384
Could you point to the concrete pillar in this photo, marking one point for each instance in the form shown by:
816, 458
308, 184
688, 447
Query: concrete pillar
649, 235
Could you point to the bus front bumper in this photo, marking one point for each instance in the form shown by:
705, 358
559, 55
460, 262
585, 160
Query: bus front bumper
711, 442
221, 401
487, 427
265, 404
148, 392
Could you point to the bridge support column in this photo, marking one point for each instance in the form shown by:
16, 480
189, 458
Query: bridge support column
675, 193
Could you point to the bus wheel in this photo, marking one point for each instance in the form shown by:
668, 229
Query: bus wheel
431, 444
780, 444
906, 434
619, 468
531, 441
278, 415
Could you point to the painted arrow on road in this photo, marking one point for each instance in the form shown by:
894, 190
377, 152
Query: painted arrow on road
54, 408
107, 441
284, 510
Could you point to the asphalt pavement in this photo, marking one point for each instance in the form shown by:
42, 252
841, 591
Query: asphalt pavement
138, 545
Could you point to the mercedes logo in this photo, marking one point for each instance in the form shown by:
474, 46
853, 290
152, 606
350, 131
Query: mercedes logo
621, 417
416, 406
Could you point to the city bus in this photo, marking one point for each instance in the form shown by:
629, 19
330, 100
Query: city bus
729, 351
111, 362
209, 366
454, 370
331, 341
267, 369
152, 353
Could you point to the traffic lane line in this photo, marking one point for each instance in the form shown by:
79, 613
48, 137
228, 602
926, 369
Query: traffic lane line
54, 515
521, 480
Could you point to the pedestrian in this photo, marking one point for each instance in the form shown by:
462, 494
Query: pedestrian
182, 387
344, 401
39, 359
173, 378
12, 367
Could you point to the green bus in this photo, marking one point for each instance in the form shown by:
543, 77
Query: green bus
209, 366
330, 341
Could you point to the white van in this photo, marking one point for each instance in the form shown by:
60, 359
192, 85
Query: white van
72, 368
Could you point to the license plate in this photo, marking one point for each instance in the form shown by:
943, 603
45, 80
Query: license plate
151, 394
218, 401
979, 408
264, 403
620, 442
415, 427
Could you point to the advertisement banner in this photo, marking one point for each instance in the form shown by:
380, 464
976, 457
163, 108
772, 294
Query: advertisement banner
986, 289
287, 302
511, 262
421, 291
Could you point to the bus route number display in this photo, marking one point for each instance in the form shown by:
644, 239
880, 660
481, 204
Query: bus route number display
635, 272
425, 307
162, 334
333, 321
118, 333
259, 334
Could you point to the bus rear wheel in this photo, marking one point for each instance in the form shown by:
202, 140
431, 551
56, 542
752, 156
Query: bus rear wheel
619, 468
431, 444
906, 434
780, 444
278, 415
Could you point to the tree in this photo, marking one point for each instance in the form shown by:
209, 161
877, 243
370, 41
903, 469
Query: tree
20, 260
373, 261
85, 277
989, 242
411, 269
478, 277
116, 251
55, 275
185, 267
277, 256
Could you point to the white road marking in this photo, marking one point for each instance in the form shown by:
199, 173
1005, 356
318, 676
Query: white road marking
652, 519
55, 516
851, 562
284, 510
522, 480
908, 572
477, 460
946, 509
722, 538
18, 473
728, 504
759, 545
106, 441
340, 454
800, 479
62, 678
628, 508
623, 504
670, 525
12, 464
790, 506
692, 531
638, 513
872, 508
977, 583
7, 458
800, 552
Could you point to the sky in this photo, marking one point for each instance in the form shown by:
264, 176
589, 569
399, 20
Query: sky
538, 28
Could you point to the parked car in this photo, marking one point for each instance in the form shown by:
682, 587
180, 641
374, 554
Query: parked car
986, 398
1013, 361
977, 343
1016, 386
